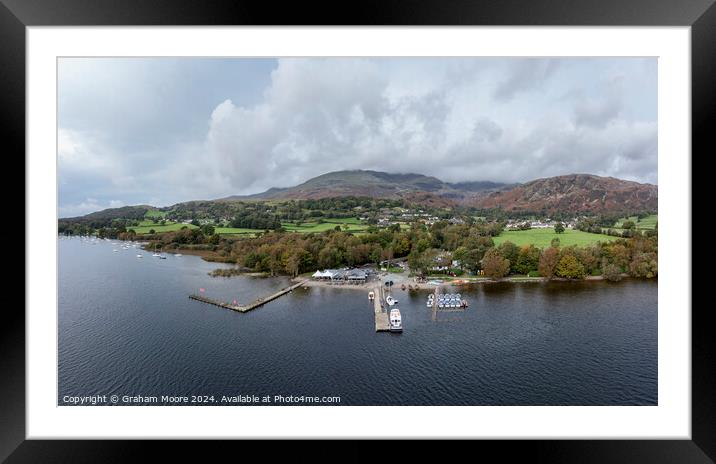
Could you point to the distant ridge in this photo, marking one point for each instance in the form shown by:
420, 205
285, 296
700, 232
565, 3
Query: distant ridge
572, 193
375, 184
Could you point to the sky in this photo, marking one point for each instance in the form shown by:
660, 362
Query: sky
160, 131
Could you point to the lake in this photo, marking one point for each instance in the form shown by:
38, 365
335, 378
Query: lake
126, 327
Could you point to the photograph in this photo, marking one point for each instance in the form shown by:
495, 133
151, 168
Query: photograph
357, 231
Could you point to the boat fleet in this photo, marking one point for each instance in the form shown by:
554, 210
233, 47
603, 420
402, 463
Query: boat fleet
446, 301
125, 246
435, 300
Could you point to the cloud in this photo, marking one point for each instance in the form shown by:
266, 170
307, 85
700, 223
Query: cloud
87, 206
598, 111
506, 120
523, 75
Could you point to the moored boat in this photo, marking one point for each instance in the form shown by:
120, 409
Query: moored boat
371, 296
391, 301
396, 321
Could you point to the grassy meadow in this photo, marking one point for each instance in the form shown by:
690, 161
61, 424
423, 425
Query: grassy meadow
145, 226
542, 238
647, 223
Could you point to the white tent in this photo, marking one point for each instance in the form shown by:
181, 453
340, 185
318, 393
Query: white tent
327, 274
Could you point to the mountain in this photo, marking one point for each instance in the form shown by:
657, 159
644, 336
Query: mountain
370, 184
573, 193
570, 194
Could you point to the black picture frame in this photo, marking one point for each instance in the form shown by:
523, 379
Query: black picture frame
16, 15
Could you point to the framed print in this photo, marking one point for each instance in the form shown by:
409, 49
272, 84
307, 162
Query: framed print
240, 223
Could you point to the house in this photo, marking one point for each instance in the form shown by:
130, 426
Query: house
356, 276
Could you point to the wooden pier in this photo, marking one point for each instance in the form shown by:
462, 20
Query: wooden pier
382, 323
245, 308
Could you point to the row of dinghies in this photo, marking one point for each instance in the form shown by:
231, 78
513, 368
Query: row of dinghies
446, 300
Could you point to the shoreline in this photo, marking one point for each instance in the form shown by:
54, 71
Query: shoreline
399, 279
458, 282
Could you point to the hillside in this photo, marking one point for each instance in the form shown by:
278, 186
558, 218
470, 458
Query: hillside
574, 193
568, 194
373, 184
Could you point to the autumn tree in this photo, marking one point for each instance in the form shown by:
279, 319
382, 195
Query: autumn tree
644, 265
548, 261
569, 267
611, 271
495, 265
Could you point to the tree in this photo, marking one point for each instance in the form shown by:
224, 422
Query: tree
152, 231
548, 261
569, 267
527, 260
628, 225
495, 265
401, 246
472, 258
509, 251
559, 228
459, 255
611, 272
644, 265
292, 263
555, 242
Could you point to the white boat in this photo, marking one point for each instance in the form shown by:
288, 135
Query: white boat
396, 322
430, 303
156, 255
177, 254
391, 301
115, 250
371, 296
140, 256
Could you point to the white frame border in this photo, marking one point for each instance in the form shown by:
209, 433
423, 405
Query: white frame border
670, 419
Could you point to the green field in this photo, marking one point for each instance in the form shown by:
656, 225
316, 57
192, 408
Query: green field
155, 213
327, 224
145, 226
235, 231
351, 220
647, 223
542, 238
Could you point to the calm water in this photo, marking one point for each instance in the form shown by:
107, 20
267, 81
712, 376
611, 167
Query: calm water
126, 327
